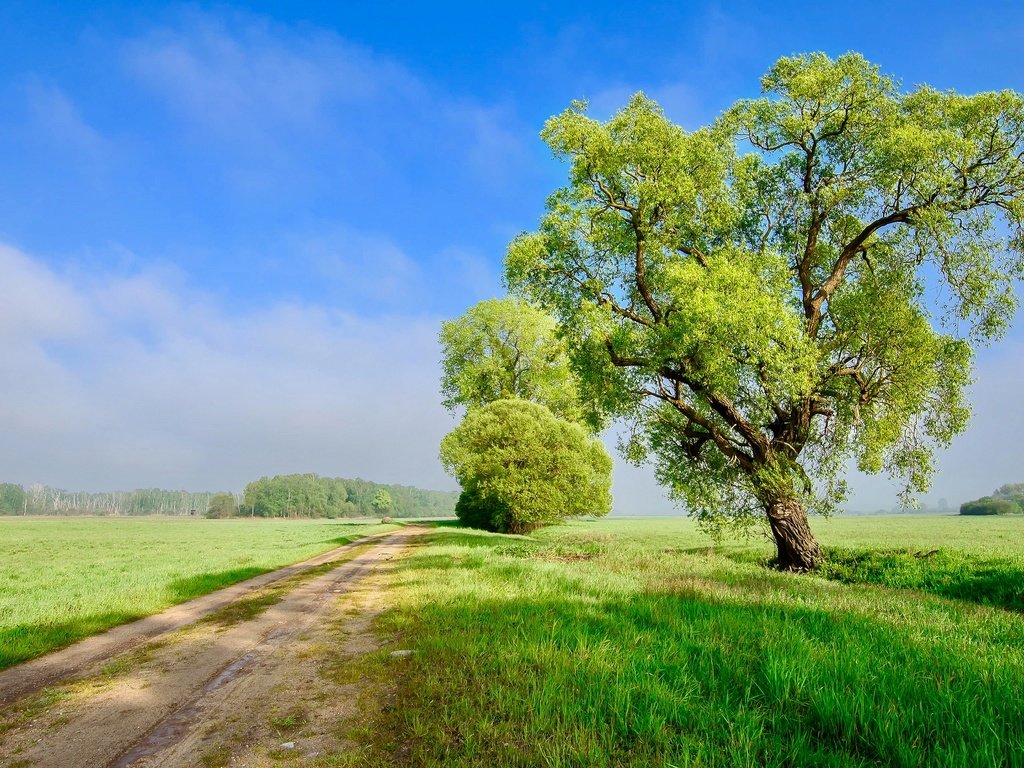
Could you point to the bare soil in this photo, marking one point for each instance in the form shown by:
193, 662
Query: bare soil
266, 677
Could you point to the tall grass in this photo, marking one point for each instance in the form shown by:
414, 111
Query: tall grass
629, 643
64, 579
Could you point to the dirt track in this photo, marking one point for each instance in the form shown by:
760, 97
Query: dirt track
236, 688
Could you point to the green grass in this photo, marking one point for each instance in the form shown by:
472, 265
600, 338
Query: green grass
628, 643
64, 579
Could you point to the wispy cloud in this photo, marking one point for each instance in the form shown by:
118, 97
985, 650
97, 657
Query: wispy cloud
370, 266
120, 379
138, 379
53, 112
306, 96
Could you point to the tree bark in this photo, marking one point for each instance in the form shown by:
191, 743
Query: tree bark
797, 548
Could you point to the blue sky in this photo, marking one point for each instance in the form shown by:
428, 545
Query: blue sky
228, 233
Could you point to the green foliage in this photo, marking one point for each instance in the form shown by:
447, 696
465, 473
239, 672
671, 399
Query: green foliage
626, 643
505, 348
796, 284
1013, 492
476, 509
381, 501
314, 496
12, 499
222, 505
990, 505
1006, 500
529, 465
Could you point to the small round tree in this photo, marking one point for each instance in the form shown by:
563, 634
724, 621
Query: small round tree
222, 505
381, 501
520, 467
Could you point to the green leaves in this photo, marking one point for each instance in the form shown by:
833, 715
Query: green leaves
381, 501
526, 464
800, 283
505, 348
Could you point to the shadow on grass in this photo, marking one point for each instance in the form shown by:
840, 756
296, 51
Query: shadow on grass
180, 590
473, 537
348, 539
952, 574
664, 675
989, 581
28, 641
448, 524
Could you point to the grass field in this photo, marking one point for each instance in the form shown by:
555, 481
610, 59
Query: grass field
63, 579
630, 643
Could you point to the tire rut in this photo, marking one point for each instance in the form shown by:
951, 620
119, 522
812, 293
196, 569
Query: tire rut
201, 678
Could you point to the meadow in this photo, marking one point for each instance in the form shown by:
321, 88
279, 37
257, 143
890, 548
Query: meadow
63, 579
635, 643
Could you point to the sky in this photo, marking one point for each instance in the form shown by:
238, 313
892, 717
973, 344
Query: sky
228, 233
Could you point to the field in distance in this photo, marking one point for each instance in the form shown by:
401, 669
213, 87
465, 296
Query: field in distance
64, 579
631, 643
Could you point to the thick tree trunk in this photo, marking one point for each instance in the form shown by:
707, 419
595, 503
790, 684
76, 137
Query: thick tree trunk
797, 547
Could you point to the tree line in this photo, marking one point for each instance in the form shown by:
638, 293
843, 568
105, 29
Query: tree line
314, 496
1007, 500
39, 499
281, 496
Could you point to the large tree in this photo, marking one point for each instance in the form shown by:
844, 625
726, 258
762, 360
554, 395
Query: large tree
801, 282
506, 348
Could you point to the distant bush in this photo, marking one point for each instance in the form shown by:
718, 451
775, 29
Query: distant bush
1013, 492
222, 505
990, 505
521, 467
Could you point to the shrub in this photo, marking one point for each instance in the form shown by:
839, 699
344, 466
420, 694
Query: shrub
476, 509
990, 505
520, 466
222, 505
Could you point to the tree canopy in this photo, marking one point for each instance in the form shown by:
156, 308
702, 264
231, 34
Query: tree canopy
505, 348
310, 495
222, 505
797, 284
520, 467
381, 501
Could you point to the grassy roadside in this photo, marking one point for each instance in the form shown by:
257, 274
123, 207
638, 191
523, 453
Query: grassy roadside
62, 580
626, 643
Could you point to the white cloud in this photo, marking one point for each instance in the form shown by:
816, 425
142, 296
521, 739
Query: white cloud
137, 380
118, 381
129, 380
53, 112
368, 265
282, 97
221, 71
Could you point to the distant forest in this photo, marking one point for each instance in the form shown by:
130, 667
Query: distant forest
313, 496
280, 496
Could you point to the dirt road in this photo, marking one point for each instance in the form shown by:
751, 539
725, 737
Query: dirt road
263, 676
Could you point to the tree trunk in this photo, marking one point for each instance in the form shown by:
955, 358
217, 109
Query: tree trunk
797, 547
